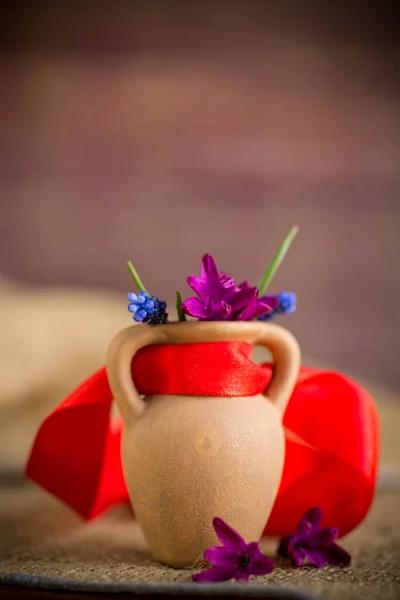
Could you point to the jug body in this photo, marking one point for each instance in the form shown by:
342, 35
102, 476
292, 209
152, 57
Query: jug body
189, 459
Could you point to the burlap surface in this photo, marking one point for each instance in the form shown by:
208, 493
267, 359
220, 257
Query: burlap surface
41, 537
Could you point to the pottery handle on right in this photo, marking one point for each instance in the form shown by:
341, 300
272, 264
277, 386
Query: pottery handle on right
287, 359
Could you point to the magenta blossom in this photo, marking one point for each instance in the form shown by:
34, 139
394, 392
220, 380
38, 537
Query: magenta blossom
234, 559
220, 299
314, 543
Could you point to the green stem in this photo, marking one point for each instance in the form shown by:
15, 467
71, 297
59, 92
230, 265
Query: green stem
181, 315
276, 261
136, 277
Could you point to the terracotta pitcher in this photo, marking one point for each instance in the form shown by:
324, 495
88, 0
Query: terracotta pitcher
187, 459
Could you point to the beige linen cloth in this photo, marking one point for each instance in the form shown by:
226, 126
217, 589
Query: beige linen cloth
50, 341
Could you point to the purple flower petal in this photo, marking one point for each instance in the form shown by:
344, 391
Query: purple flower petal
271, 301
253, 549
245, 286
215, 574
329, 554
222, 310
242, 313
314, 543
261, 566
218, 287
220, 556
199, 287
241, 575
324, 536
313, 516
245, 292
266, 304
194, 308
310, 522
255, 307
296, 554
262, 308
316, 557
209, 268
259, 563
245, 308
226, 281
336, 555
230, 538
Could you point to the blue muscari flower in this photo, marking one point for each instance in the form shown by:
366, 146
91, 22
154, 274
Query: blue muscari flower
287, 305
287, 302
146, 309
141, 306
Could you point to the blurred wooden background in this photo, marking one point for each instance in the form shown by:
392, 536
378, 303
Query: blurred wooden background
159, 131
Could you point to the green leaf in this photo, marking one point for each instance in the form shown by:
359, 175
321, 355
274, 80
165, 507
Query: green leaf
181, 315
136, 277
276, 261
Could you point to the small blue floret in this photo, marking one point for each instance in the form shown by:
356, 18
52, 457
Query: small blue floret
287, 302
146, 309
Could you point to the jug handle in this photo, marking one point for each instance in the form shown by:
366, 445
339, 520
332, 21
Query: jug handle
281, 343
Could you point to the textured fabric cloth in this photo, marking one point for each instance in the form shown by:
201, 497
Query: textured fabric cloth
40, 536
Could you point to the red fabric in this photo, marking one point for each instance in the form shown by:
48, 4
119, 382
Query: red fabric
331, 427
217, 369
332, 448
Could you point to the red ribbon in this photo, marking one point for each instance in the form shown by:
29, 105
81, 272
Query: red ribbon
331, 427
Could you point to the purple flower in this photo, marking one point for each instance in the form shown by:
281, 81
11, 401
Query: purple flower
234, 559
314, 543
220, 299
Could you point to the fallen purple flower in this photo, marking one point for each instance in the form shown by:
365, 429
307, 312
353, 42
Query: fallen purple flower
234, 559
313, 543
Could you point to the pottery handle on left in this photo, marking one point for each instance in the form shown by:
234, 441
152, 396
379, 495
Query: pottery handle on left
120, 352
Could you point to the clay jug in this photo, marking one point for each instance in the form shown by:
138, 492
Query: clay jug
187, 459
